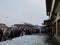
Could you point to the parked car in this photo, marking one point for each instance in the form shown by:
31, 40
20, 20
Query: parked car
27, 32
33, 31
37, 30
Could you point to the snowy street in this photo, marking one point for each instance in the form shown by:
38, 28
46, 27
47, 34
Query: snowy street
26, 40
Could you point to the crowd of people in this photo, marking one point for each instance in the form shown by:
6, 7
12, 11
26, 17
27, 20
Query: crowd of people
9, 33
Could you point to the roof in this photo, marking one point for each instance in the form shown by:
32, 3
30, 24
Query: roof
49, 5
47, 22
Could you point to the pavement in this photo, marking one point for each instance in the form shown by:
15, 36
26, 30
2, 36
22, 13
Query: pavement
35, 39
52, 40
27, 40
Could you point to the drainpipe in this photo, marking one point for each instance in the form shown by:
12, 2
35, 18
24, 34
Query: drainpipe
52, 8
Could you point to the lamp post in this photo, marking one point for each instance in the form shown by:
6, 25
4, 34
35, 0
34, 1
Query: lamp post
6, 19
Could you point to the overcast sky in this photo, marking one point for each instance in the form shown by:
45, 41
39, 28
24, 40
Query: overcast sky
18, 11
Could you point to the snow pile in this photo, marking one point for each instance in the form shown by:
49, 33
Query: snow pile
26, 40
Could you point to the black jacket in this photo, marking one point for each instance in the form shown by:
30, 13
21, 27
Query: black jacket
1, 33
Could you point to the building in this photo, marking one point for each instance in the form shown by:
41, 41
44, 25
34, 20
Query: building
24, 26
53, 11
47, 28
19, 26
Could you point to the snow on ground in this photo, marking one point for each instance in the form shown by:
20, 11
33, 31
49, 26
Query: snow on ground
26, 40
